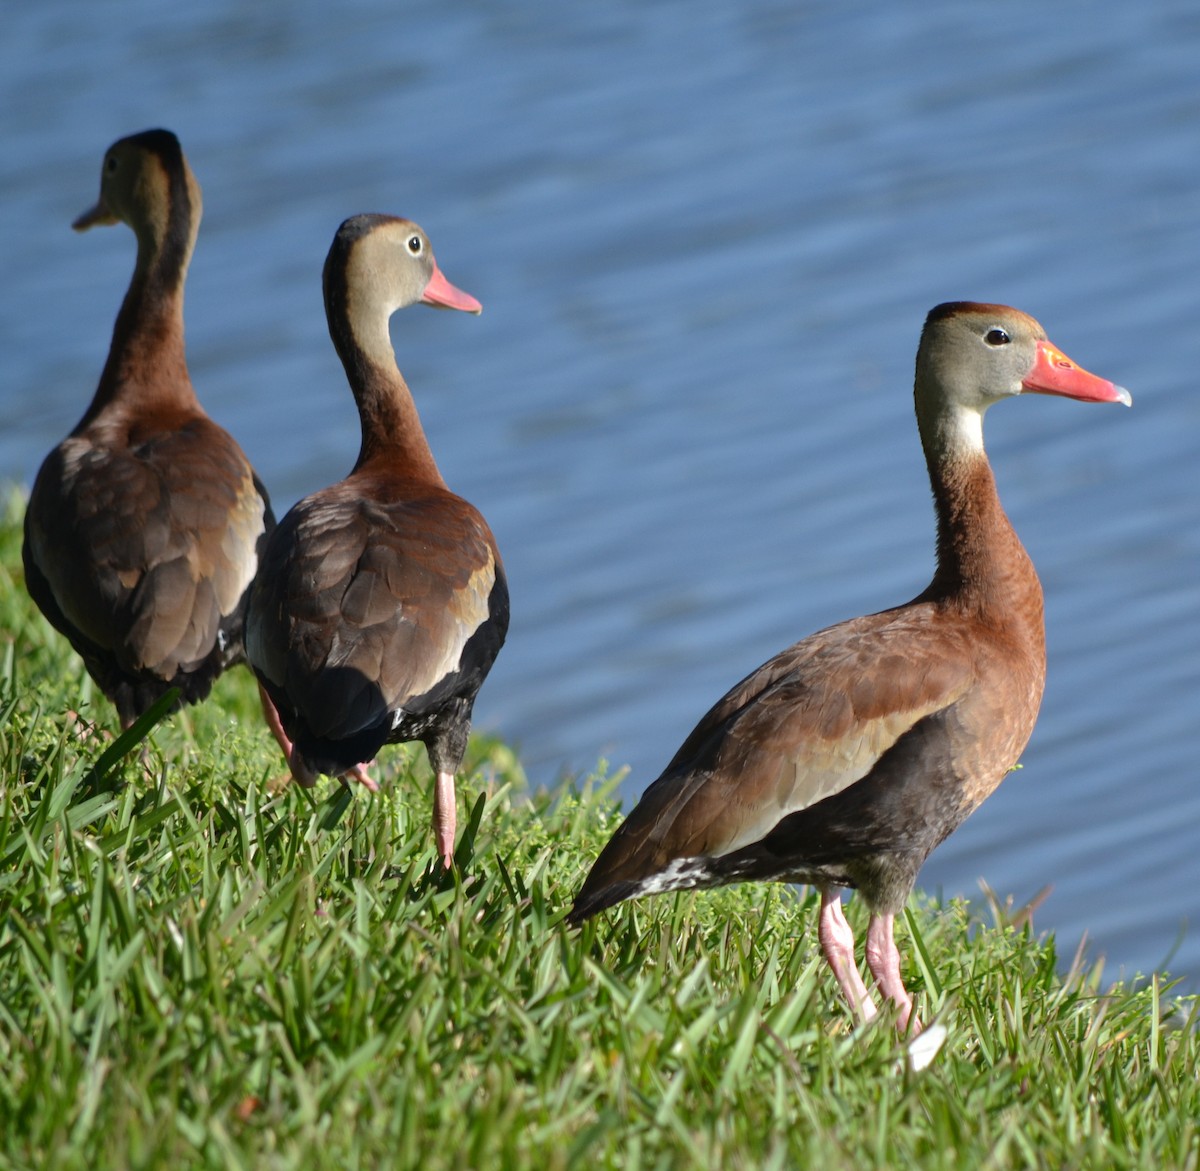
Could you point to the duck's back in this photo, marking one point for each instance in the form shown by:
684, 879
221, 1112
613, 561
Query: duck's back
392, 603
141, 540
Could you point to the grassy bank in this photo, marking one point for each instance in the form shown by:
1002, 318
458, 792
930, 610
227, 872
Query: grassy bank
200, 966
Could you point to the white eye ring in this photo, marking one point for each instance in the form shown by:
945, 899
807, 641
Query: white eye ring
415, 245
997, 336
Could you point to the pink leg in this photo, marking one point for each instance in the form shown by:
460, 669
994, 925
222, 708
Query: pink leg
883, 959
359, 773
273, 722
300, 770
444, 817
84, 729
837, 943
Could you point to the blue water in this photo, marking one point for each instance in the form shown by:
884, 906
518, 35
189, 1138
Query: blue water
705, 236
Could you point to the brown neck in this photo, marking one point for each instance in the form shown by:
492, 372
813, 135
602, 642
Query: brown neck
982, 566
146, 366
391, 428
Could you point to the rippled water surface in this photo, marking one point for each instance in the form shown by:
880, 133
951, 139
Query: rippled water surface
705, 236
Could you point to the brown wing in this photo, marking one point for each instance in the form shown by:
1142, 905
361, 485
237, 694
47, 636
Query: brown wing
141, 546
807, 725
364, 605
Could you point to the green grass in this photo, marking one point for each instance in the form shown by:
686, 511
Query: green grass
200, 967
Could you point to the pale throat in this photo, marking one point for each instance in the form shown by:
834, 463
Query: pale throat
953, 431
369, 325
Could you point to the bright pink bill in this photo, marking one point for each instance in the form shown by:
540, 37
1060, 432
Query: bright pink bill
442, 294
1054, 373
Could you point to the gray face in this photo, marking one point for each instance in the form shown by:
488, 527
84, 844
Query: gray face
389, 266
974, 356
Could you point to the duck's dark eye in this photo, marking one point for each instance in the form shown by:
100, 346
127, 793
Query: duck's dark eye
110, 164
414, 245
996, 337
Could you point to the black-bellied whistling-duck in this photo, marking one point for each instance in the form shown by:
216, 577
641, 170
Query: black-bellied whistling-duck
844, 760
381, 603
144, 525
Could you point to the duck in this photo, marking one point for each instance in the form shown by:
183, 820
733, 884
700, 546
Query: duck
847, 758
144, 525
381, 602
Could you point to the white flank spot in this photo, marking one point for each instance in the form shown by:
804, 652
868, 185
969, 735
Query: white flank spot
397, 716
681, 874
